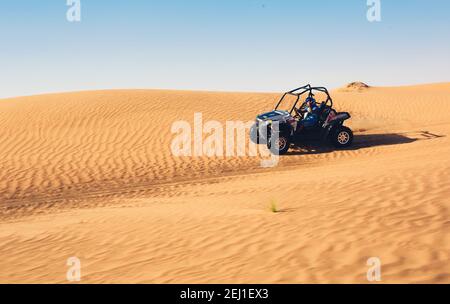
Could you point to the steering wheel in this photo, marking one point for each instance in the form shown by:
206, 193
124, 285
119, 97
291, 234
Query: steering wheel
304, 108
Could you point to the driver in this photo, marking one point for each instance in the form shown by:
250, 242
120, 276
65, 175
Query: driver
311, 117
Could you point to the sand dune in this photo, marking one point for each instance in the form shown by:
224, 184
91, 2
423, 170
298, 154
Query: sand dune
355, 86
91, 175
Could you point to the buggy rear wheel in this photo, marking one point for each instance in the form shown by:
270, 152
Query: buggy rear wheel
342, 138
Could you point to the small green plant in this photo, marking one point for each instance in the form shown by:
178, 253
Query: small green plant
273, 206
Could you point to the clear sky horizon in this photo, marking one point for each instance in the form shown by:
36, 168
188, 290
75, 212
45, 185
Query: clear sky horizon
220, 45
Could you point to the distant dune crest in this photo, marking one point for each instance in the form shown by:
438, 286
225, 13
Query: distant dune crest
355, 86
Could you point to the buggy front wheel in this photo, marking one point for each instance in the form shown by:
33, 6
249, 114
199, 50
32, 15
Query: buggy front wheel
279, 145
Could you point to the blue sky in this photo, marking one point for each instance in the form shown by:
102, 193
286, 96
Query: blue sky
227, 45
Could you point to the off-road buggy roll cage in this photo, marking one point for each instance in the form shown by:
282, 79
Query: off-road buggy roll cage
303, 90
291, 130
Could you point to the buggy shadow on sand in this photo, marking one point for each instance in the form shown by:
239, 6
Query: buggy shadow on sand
361, 141
284, 127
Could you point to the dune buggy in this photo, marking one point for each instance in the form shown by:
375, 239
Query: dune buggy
286, 122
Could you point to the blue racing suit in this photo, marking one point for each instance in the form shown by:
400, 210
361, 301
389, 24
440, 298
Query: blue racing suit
311, 118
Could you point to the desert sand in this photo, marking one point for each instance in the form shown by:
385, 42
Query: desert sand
91, 175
